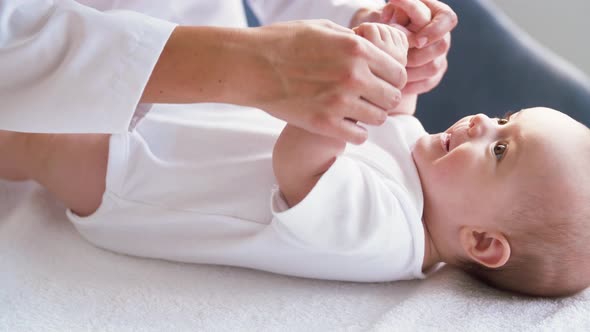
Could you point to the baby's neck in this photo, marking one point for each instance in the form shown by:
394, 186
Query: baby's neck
431, 255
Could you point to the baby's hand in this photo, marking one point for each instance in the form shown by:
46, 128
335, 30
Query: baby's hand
428, 25
389, 39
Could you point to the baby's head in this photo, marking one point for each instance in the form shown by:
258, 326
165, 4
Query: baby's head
507, 200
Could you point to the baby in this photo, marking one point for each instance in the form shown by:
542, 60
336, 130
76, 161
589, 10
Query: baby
503, 199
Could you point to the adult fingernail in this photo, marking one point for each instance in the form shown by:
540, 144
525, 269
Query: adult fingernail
421, 42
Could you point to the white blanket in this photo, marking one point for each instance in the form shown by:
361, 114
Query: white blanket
52, 280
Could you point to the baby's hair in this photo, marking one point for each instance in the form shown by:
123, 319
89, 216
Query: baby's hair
506, 115
540, 259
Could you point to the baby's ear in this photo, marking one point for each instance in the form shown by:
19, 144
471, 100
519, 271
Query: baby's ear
488, 248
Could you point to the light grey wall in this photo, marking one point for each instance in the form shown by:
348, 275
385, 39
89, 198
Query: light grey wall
561, 25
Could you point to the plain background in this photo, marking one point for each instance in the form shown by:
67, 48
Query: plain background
562, 26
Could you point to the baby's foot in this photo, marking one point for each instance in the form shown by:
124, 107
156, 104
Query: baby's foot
13, 153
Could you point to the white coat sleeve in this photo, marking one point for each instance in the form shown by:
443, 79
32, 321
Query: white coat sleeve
69, 68
338, 11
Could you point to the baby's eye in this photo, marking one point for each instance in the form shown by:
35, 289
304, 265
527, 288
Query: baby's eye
499, 150
502, 121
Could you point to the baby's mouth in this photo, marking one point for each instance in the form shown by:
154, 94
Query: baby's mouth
445, 140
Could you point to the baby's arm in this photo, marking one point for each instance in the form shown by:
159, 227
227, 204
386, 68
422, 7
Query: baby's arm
300, 158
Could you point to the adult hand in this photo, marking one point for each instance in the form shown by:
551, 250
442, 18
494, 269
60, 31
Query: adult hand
388, 38
325, 78
429, 41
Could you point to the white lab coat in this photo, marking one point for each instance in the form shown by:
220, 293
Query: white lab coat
81, 66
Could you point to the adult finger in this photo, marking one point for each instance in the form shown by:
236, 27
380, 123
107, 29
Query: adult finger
421, 56
444, 19
418, 13
423, 86
384, 66
339, 127
350, 131
380, 93
387, 14
365, 112
376, 96
428, 70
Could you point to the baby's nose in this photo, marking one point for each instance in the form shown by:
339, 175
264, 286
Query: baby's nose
478, 125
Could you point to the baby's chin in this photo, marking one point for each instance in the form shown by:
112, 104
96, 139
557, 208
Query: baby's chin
420, 142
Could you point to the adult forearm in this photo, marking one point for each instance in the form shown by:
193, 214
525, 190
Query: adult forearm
208, 64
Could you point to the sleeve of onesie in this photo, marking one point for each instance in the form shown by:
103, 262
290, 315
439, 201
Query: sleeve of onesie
69, 68
354, 222
338, 11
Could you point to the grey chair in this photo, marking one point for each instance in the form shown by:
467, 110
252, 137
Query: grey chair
494, 67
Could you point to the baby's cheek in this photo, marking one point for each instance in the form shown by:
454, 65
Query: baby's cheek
458, 164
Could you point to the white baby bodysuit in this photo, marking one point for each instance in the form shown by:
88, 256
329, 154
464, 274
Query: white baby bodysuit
197, 186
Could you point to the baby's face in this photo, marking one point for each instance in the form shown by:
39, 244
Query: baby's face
474, 169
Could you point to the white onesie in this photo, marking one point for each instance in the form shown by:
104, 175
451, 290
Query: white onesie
196, 185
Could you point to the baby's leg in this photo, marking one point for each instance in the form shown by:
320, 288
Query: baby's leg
71, 166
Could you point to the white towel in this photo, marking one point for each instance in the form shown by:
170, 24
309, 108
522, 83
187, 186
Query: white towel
52, 280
